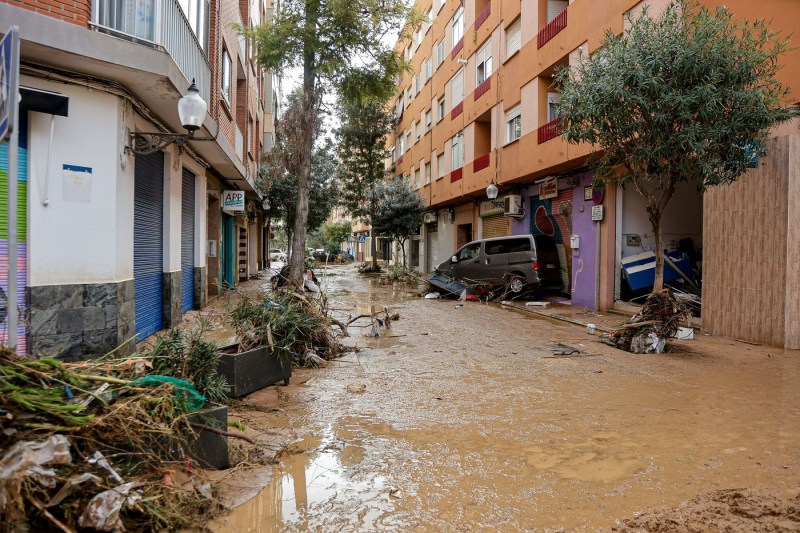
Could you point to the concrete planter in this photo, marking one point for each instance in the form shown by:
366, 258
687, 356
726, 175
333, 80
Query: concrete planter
250, 371
209, 449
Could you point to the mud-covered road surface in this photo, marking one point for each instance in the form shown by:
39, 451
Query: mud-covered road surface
466, 417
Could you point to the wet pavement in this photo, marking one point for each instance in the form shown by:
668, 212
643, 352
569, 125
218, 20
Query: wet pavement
470, 417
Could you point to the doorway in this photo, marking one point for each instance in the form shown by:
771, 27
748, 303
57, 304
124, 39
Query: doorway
464, 235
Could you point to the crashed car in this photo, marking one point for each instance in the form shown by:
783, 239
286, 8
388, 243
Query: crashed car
519, 263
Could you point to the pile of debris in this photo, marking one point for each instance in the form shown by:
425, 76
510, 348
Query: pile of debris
96, 445
647, 331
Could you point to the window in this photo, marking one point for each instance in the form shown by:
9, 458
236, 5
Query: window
427, 173
513, 39
417, 83
469, 251
428, 117
401, 146
553, 99
484, 62
508, 246
226, 76
440, 105
411, 51
420, 35
514, 124
440, 165
428, 69
457, 87
437, 5
458, 151
428, 22
417, 181
196, 12
439, 54
409, 97
418, 129
395, 151
458, 25
408, 140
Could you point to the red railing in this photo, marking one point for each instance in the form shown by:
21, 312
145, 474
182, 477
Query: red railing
551, 29
483, 15
457, 110
457, 174
481, 163
551, 130
399, 161
457, 48
483, 88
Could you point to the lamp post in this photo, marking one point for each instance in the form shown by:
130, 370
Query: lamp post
491, 191
191, 110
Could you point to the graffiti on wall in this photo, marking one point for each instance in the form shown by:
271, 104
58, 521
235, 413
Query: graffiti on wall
553, 217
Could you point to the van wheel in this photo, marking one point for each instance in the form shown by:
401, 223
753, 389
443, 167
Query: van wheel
515, 283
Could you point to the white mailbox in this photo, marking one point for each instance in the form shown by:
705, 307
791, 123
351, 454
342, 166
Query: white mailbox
575, 242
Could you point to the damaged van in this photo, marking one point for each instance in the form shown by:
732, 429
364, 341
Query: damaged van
519, 263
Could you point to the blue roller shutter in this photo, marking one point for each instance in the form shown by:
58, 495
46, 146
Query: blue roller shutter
148, 239
187, 241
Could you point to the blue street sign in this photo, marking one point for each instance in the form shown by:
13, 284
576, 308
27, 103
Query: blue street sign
9, 71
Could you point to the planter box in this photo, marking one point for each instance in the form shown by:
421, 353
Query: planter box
252, 370
209, 449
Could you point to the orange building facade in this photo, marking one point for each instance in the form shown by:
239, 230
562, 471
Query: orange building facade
480, 106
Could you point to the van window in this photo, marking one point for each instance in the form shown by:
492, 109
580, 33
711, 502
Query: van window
507, 246
469, 251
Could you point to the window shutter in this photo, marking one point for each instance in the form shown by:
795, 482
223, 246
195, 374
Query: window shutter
513, 38
458, 87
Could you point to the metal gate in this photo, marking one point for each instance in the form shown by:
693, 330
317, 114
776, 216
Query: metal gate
7, 304
431, 246
495, 226
148, 235
187, 242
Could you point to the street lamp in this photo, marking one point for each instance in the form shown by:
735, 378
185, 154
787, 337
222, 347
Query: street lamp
191, 110
491, 191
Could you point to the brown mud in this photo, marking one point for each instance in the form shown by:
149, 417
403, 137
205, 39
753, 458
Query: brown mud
463, 417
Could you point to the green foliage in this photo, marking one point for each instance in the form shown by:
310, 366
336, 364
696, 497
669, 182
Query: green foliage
281, 323
335, 233
400, 274
187, 355
398, 210
680, 97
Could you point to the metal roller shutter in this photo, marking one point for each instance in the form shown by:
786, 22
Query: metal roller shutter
187, 242
148, 235
495, 226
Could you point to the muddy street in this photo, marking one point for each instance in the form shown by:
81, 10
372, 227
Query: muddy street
465, 417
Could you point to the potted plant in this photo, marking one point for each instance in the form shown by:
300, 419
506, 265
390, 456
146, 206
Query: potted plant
263, 355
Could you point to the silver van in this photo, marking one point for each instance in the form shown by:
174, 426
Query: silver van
518, 262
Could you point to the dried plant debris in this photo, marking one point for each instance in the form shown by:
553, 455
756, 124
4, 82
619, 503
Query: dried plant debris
87, 445
649, 329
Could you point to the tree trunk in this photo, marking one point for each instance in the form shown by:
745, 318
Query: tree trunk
403, 249
268, 258
308, 123
373, 244
655, 220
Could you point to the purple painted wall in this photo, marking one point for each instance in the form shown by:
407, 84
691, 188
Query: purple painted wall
583, 259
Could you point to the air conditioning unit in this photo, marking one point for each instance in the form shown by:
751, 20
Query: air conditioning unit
512, 206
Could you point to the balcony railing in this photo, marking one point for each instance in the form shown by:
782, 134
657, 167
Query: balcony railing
457, 174
552, 29
481, 163
482, 89
457, 110
483, 15
457, 48
548, 131
161, 23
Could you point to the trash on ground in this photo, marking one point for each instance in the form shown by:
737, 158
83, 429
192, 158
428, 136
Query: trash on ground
648, 330
537, 304
449, 286
432, 296
357, 389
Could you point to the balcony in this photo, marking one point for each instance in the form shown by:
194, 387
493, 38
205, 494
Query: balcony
548, 131
457, 174
552, 29
483, 15
457, 48
481, 162
482, 89
161, 24
457, 110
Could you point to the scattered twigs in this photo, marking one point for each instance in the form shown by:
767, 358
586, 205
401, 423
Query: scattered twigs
212, 429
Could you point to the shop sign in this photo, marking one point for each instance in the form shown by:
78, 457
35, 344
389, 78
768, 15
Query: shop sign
233, 202
548, 189
492, 207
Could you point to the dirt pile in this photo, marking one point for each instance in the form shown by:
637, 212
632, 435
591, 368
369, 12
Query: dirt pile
734, 511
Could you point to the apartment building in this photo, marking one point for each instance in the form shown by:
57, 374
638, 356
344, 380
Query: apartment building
123, 226
481, 107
